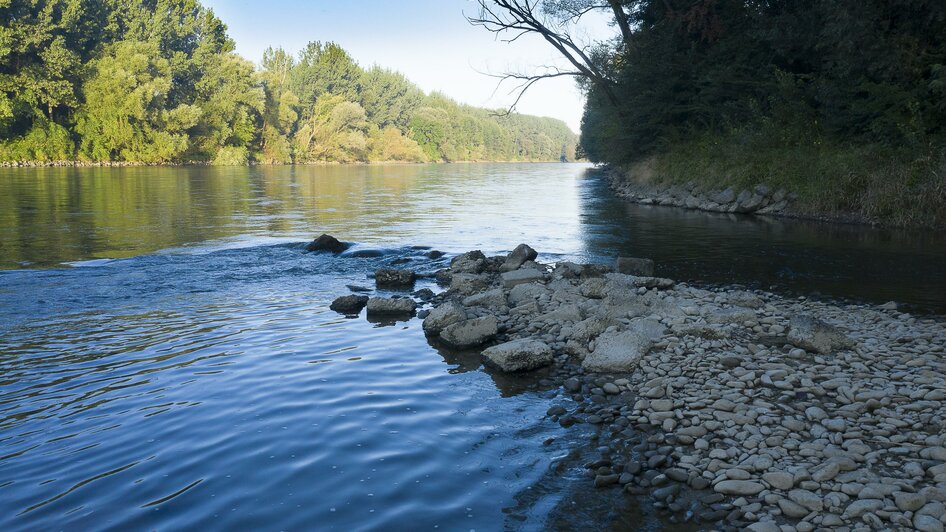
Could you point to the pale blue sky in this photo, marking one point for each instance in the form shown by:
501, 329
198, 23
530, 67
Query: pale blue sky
430, 41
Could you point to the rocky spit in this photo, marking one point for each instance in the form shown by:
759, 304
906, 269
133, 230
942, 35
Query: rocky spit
728, 408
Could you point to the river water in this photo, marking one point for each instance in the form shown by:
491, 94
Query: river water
168, 359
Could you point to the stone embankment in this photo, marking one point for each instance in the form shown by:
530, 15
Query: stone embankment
731, 408
759, 200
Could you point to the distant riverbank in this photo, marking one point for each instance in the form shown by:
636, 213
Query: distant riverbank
132, 164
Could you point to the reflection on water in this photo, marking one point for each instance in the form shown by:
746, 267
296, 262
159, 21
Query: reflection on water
200, 380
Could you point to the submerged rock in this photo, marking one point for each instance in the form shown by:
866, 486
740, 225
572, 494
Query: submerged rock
813, 334
391, 306
518, 257
523, 354
470, 333
327, 243
385, 277
350, 304
634, 266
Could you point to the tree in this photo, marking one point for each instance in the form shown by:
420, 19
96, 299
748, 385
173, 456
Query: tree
127, 114
336, 131
279, 114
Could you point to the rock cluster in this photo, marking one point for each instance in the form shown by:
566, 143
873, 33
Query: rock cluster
744, 409
761, 199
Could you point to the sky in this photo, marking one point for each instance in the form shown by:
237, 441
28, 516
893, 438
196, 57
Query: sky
429, 41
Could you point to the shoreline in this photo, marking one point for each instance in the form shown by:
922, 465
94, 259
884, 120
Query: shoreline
726, 407
129, 164
761, 201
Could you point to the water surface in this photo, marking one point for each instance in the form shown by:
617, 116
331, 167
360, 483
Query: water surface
167, 357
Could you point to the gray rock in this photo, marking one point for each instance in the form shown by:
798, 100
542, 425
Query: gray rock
327, 243
518, 355
807, 499
862, 506
470, 333
779, 480
792, 509
391, 306
611, 388
469, 262
518, 257
634, 266
726, 196
468, 283
909, 502
394, 278
442, 317
738, 487
763, 526
926, 523
525, 275
490, 298
621, 351
826, 472
350, 304
813, 334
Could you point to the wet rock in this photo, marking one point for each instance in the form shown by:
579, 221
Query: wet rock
327, 243
517, 277
518, 257
470, 333
434, 254
634, 266
813, 334
523, 354
469, 262
378, 306
443, 316
390, 278
350, 304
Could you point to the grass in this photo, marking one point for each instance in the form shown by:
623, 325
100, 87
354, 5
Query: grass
894, 186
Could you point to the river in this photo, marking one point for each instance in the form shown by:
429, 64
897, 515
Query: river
168, 357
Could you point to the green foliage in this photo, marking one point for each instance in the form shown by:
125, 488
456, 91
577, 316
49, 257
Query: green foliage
157, 81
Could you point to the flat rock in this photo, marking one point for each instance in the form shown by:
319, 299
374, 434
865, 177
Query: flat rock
468, 283
523, 354
738, 487
490, 298
525, 275
813, 334
391, 306
470, 333
621, 351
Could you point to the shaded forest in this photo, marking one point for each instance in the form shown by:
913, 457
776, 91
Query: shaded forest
842, 101
158, 81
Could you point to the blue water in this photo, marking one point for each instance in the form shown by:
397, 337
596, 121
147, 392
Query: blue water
168, 358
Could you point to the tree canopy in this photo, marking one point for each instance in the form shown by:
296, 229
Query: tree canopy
157, 81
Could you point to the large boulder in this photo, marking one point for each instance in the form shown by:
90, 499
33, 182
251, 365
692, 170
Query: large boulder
394, 278
443, 316
518, 257
618, 351
517, 277
634, 266
523, 354
470, 333
525, 293
469, 262
350, 304
468, 283
380, 306
327, 243
812, 334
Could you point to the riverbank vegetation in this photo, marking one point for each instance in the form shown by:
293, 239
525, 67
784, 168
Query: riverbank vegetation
159, 82
842, 102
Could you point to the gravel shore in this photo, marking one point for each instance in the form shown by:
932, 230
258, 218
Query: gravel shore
730, 408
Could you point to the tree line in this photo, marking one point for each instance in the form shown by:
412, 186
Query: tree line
158, 81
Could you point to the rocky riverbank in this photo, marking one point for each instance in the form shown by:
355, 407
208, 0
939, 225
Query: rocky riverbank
731, 408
